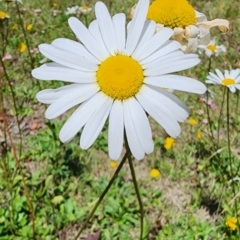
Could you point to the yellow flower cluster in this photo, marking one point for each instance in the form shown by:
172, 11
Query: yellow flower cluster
169, 142
231, 222
154, 173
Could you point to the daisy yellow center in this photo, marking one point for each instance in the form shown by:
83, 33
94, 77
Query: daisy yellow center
120, 77
211, 48
172, 14
85, 7
228, 81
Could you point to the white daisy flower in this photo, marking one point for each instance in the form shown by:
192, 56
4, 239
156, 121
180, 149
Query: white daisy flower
7, 1
85, 9
72, 10
117, 75
212, 49
191, 27
229, 79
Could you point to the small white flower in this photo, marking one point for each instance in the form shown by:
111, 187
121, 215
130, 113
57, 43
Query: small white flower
85, 9
229, 79
212, 48
120, 75
72, 10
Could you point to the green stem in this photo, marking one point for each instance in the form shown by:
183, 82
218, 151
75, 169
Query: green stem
209, 120
221, 110
127, 154
229, 150
138, 195
25, 36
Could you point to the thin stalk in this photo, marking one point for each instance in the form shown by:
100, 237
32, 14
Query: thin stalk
6, 128
125, 157
209, 119
138, 195
221, 110
25, 36
14, 103
229, 149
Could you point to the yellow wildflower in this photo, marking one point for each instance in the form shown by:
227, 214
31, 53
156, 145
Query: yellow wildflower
199, 134
169, 142
29, 27
3, 15
14, 27
192, 121
154, 173
22, 47
113, 164
54, 4
231, 222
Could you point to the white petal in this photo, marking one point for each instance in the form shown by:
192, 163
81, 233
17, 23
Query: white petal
167, 102
115, 130
177, 83
47, 72
136, 26
106, 27
94, 30
154, 43
172, 65
141, 125
96, 122
232, 88
66, 58
69, 100
159, 113
51, 95
74, 47
80, 117
212, 82
219, 73
170, 47
86, 38
234, 73
164, 59
132, 137
215, 77
119, 21
149, 29
237, 86
172, 97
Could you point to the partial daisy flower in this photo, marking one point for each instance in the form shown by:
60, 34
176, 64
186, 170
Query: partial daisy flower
191, 27
85, 9
8, 1
72, 10
212, 48
120, 75
229, 79
3, 15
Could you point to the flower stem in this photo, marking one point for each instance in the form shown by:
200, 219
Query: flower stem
138, 195
229, 149
127, 154
209, 119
